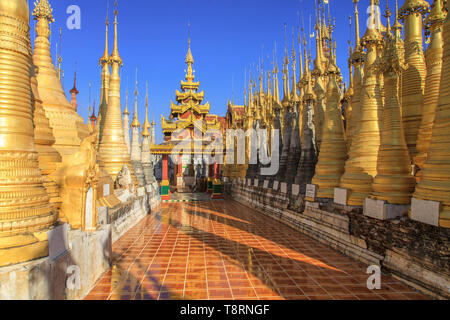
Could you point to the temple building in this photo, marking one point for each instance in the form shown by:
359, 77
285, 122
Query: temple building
188, 132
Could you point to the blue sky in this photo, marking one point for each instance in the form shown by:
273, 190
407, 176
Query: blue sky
227, 37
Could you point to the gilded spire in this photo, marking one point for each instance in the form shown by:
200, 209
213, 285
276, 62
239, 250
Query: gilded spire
357, 34
126, 123
59, 55
387, 15
146, 126
436, 16
126, 112
286, 89
294, 95
276, 90
105, 79
189, 59
305, 53
250, 96
147, 139
74, 93
300, 57
105, 58
135, 123
261, 79
357, 58
90, 94
115, 57
318, 62
397, 27
350, 65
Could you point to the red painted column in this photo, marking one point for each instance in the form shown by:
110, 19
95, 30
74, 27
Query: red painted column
209, 189
216, 170
217, 184
165, 167
165, 184
180, 172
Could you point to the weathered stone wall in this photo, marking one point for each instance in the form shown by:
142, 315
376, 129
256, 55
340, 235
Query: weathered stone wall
412, 251
88, 255
430, 244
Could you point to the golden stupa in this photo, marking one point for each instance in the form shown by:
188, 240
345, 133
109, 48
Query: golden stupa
126, 124
356, 60
333, 151
413, 78
434, 55
113, 152
44, 140
319, 91
25, 211
361, 166
393, 182
68, 127
348, 99
435, 182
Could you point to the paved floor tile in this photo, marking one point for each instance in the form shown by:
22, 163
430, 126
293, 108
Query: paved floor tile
222, 250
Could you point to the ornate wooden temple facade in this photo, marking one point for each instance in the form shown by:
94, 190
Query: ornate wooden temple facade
187, 134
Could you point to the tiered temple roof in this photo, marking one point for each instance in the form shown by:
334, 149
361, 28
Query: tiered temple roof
188, 108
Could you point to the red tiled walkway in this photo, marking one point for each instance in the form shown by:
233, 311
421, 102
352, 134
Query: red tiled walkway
224, 250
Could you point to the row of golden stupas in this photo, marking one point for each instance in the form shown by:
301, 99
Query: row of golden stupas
53, 165
386, 136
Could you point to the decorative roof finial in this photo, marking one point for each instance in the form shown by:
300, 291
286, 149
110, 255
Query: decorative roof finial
43, 10
189, 58
59, 55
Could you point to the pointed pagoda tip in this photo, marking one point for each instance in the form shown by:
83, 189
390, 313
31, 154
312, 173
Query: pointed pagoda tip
74, 89
105, 58
146, 127
115, 56
43, 10
126, 112
93, 112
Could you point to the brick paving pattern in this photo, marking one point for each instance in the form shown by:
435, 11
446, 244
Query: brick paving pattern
222, 250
